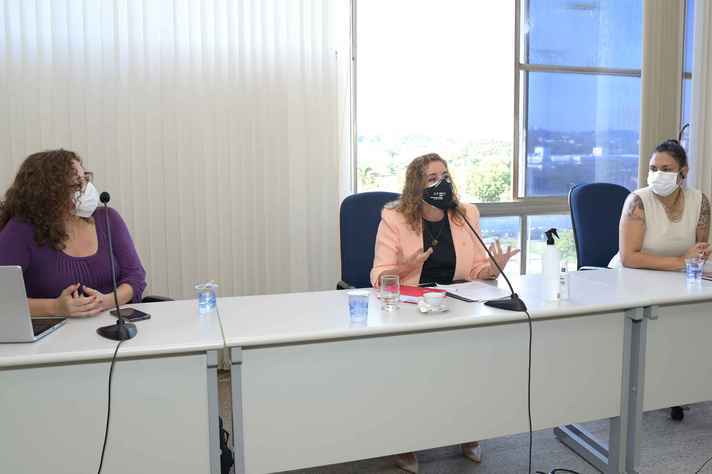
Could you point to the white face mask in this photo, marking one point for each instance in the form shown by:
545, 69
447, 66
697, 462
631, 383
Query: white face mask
86, 202
663, 183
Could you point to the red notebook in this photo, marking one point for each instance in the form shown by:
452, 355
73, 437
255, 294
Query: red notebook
410, 294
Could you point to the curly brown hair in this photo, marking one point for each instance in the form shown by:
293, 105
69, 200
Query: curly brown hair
42, 194
410, 203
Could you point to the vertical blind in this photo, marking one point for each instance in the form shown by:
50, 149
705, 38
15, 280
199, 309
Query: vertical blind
216, 125
661, 76
701, 117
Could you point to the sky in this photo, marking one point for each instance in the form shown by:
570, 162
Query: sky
446, 68
436, 67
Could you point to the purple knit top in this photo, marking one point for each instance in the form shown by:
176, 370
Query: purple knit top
47, 271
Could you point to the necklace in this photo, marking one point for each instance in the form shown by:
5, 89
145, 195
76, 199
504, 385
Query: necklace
434, 240
675, 209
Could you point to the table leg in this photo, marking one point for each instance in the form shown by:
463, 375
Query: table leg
623, 454
237, 415
213, 412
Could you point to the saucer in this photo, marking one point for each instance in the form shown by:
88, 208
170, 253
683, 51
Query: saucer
424, 307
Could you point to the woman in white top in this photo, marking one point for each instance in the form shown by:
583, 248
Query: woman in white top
664, 223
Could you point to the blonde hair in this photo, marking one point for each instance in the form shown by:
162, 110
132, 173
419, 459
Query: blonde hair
411, 202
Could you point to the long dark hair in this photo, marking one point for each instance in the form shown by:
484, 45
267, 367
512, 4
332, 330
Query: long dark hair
41, 195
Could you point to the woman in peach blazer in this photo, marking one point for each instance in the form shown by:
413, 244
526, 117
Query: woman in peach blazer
422, 238
401, 242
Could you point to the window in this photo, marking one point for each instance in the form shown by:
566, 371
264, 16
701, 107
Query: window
536, 242
508, 231
540, 96
436, 76
687, 69
581, 78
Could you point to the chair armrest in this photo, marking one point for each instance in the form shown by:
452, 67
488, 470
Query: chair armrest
342, 285
155, 299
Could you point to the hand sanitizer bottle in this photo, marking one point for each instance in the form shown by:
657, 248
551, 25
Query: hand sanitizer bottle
551, 261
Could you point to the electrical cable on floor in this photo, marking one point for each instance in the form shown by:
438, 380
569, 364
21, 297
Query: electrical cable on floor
529, 392
558, 470
108, 407
529, 406
702, 466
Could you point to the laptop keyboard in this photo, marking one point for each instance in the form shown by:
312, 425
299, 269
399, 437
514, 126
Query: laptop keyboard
41, 325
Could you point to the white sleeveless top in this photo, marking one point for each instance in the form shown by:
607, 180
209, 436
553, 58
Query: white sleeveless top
662, 236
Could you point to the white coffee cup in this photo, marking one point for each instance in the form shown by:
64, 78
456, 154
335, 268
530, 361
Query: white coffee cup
434, 299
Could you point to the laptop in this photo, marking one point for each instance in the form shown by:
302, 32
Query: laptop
16, 325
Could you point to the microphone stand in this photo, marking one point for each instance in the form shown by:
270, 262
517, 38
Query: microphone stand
121, 331
512, 302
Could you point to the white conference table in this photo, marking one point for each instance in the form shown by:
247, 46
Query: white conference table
671, 352
325, 391
164, 405
678, 337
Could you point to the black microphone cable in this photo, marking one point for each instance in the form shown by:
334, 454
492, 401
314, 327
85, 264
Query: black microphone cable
108, 407
529, 321
120, 331
703, 466
525, 310
558, 470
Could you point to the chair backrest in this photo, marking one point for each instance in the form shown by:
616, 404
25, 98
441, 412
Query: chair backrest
595, 213
360, 215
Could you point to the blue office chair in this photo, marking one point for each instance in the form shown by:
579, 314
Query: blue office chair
595, 214
360, 215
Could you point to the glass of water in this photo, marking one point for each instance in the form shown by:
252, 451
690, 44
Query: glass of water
390, 292
207, 297
358, 305
694, 267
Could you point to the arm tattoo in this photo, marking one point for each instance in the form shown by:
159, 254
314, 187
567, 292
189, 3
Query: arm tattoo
704, 221
633, 208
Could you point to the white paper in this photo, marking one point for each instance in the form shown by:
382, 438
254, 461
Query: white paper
476, 290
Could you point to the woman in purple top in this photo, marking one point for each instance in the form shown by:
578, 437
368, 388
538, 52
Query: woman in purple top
51, 227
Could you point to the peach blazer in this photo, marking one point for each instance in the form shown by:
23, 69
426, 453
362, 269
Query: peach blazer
395, 234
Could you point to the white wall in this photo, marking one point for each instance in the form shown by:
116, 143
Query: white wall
214, 124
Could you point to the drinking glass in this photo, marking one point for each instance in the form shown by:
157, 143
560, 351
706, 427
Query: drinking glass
358, 305
390, 292
694, 267
207, 297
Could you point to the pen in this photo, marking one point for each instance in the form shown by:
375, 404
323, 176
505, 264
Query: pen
458, 297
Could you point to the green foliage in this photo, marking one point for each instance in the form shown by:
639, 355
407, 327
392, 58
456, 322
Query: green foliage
567, 245
366, 178
482, 169
490, 181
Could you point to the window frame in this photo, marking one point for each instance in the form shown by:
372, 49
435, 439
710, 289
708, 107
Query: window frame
685, 74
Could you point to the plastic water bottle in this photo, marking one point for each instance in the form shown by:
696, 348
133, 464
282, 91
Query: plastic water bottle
564, 281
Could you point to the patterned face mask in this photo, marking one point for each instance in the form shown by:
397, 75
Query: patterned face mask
439, 194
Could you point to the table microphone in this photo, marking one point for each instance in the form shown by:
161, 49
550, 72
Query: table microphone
122, 330
510, 303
